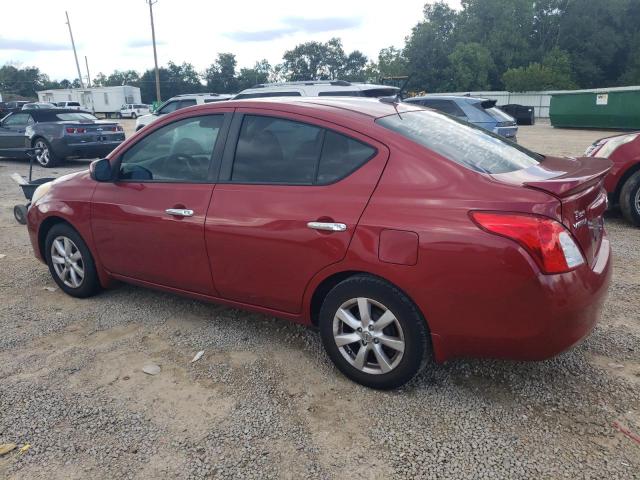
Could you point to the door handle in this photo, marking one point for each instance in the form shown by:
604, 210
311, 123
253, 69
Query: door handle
179, 212
327, 226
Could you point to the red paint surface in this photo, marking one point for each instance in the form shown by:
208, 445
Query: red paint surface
248, 245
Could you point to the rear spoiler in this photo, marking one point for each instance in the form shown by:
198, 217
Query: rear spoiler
488, 103
591, 171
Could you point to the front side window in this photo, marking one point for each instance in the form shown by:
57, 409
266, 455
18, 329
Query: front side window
275, 150
169, 107
178, 152
18, 120
461, 142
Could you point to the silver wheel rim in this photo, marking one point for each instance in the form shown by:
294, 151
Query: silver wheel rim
67, 261
637, 201
368, 335
43, 156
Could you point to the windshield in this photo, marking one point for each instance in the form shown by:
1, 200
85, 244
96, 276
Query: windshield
75, 116
464, 143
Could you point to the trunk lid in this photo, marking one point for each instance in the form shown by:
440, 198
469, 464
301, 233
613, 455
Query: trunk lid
578, 184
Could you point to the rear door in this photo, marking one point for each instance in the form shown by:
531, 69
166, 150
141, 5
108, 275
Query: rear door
149, 223
290, 194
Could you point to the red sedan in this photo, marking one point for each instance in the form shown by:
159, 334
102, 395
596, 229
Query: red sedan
401, 233
623, 181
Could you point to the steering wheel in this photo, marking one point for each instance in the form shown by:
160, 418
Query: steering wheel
183, 164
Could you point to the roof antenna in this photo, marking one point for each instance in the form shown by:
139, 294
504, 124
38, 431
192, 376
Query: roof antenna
397, 98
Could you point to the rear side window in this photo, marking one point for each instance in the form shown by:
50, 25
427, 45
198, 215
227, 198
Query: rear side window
461, 142
340, 156
267, 94
274, 150
445, 106
212, 100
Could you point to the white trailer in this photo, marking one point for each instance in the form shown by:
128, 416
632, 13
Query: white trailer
99, 100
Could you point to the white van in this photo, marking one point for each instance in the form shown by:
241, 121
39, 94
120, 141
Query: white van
134, 110
318, 88
69, 105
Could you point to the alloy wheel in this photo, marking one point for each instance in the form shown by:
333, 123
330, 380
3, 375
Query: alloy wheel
43, 157
67, 261
636, 201
368, 335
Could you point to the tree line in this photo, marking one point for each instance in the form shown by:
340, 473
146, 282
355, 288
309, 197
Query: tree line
515, 45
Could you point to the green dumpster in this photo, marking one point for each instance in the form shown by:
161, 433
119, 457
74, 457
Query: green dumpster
600, 109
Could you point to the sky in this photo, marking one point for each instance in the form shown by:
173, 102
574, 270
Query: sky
116, 34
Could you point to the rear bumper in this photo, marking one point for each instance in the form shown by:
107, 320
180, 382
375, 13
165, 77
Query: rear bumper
553, 316
508, 132
86, 149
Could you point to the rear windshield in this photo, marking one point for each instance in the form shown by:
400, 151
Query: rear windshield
499, 115
72, 116
464, 143
73, 104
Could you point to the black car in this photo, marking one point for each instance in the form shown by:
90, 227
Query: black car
58, 133
10, 107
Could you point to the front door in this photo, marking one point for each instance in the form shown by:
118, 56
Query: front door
12, 130
149, 224
287, 204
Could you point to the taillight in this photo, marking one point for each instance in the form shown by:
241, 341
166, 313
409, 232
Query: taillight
75, 130
547, 241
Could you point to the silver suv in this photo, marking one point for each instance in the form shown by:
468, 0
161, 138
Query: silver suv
178, 102
318, 88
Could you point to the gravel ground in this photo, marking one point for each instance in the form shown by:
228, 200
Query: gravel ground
265, 402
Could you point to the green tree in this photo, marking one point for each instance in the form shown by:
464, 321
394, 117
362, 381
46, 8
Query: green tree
471, 67
554, 73
428, 48
121, 77
248, 77
322, 61
221, 74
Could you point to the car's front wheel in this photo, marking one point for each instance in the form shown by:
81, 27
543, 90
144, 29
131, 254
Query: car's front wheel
630, 199
46, 157
70, 262
134, 115
373, 333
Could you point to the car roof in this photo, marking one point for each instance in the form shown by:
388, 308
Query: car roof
45, 114
359, 106
195, 95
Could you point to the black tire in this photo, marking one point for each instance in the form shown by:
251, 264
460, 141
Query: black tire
417, 344
47, 158
90, 284
630, 199
20, 214
133, 115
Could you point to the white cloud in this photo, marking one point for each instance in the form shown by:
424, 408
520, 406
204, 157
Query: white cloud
116, 34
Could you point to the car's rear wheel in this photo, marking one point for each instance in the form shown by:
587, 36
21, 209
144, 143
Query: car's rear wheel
70, 262
373, 333
133, 115
630, 199
46, 157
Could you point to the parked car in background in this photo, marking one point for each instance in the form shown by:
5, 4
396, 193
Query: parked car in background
623, 182
179, 102
8, 107
59, 134
400, 232
479, 111
134, 110
38, 106
69, 105
317, 88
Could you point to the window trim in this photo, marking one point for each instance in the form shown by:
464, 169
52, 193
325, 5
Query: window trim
228, 157
214, 160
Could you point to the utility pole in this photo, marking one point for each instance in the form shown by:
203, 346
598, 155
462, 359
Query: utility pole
75, 54
86, 62
155, 55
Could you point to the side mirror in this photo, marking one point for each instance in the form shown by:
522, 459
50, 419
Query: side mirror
100, 170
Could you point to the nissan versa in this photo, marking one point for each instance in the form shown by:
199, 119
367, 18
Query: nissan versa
401, 233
